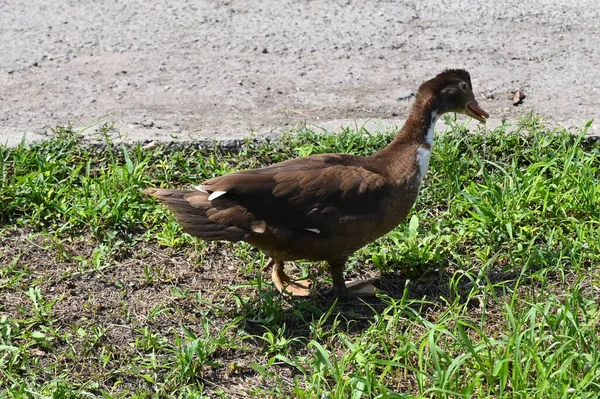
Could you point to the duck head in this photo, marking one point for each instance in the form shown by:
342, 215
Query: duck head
451, 91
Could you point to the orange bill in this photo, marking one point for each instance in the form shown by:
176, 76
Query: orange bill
475, 111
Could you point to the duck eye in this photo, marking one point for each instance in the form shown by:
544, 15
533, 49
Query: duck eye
463, 86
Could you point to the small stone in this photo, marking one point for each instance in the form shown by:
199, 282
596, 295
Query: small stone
150, 146
518, 98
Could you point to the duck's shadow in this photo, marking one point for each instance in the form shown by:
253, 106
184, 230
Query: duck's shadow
414, 296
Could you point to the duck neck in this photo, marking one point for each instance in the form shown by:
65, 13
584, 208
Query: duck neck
418, 130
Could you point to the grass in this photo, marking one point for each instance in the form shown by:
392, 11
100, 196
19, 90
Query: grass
492, 282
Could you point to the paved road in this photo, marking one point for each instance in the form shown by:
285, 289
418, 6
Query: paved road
183, 69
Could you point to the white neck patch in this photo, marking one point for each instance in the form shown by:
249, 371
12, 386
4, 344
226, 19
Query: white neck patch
424, 153
423, 157
429, 138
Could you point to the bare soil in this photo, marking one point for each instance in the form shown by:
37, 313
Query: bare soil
183, 69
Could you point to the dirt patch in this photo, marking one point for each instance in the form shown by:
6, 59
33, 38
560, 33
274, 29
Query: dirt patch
223, 69
149, 288
114, 301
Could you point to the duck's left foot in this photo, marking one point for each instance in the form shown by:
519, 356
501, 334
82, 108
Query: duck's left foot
285, 284
356, 288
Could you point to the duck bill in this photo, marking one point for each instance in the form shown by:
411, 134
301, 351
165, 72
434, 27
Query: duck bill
475, 111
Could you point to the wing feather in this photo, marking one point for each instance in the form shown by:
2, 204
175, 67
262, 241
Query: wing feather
315, 192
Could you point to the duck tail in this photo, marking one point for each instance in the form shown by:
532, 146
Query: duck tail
190, 208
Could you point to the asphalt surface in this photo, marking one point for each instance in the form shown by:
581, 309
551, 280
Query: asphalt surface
182, 69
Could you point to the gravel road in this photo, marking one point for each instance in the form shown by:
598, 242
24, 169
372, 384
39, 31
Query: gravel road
182, 69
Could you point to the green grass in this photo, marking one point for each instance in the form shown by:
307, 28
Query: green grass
492, 281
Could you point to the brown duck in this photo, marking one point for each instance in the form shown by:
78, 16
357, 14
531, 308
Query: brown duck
325, 207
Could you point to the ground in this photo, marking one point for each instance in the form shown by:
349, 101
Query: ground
225, 69
493, 284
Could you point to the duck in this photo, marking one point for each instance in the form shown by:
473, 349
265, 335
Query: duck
324, 207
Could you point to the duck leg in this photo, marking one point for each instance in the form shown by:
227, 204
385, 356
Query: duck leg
284, 283
342, 288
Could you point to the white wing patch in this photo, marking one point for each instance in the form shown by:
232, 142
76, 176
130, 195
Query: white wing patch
215, 194
201, 189
316, 231
259, 226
